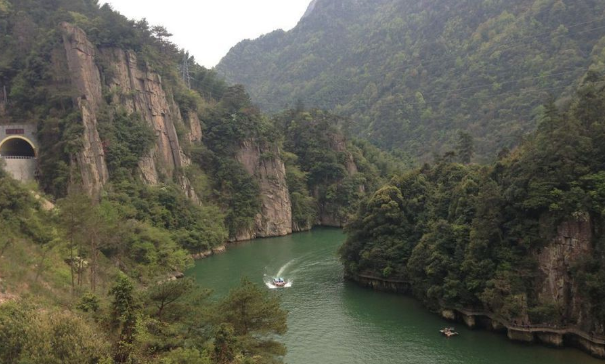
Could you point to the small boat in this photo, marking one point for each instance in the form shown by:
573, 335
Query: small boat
448, 332
279, 282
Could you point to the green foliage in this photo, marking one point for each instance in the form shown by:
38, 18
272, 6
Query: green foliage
234, 120
89, 303
239, 193
410, 77
254, 317
31, 335
195, 228
185, 356
224, 344
304, 209
321, 161
164, 294
126, 139
469, 236
134, 231
465, 147
124, 318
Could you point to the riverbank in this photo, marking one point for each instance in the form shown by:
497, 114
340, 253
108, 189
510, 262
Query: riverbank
210, 252
548, 335
334, 321
381, 284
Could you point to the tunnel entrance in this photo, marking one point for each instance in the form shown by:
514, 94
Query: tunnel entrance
17, 148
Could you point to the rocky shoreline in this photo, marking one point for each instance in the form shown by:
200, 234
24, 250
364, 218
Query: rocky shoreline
554, 336
205, 254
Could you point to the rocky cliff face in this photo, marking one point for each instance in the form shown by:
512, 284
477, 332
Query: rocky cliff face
263, 162
135, 90
140, 91
86, 80
572, 244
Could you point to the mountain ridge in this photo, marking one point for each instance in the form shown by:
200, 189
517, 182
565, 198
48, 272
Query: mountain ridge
411, 77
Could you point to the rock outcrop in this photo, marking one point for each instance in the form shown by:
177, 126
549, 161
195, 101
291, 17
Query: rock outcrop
572, 243
195, 127
86, 79
141, 91
264, 163
134, 89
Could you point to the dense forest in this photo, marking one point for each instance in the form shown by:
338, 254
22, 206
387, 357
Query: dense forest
146, 158
487, 237
411, 74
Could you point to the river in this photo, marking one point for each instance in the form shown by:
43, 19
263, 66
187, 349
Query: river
332, 321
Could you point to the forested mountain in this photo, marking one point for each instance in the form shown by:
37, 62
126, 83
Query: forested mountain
141, 165
521, 238
411, 74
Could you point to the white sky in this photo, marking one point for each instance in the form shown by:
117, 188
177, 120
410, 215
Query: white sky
209, 28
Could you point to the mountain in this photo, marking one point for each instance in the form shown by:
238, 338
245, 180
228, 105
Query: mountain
135, 160
113, 112
411, 74
519, 242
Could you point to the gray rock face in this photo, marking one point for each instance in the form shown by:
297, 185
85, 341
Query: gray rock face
264, 164
136, 91
142, 92
86, 80
572, 244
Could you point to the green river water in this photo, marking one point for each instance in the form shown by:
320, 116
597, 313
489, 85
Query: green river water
332, 321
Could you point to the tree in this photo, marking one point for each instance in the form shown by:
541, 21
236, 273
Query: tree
125, 310
29, 334
256, 317
224, 344
160, 32
185, 356
252, 310
465, 147
164, 294
73, 213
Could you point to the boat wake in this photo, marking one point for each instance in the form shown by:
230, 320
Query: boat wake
270, 285
268, 279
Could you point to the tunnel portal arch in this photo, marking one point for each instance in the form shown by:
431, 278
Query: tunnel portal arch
17, 147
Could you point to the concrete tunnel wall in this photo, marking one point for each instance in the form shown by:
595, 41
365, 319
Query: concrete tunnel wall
19, 150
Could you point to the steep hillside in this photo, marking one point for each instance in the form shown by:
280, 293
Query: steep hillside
413, 73
141, 168
115, 115
520, 241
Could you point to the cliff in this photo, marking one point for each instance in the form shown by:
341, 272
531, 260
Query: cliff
86, 79
263, 162
141, 91
572, 245
106, 92
134, 90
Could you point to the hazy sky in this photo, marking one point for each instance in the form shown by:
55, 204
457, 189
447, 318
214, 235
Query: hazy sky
209, 28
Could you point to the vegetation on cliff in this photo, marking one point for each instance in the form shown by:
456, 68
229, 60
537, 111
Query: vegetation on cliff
411, 74
102, 263
470, 236
338, 172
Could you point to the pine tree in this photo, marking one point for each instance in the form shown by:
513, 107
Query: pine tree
124, 317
